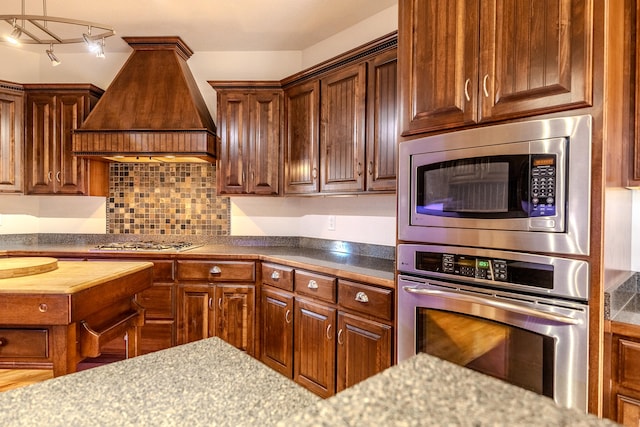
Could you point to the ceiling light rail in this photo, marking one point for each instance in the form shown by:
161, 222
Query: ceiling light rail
51, 30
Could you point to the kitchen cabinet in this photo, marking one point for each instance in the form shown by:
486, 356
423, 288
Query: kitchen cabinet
467, 61
324, 332
216, 298
250, 121
302, 152
625, 374
11, 138
276, 323
53, 112
340, 134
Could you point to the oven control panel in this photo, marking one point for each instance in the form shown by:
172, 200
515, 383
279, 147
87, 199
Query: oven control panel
485, 268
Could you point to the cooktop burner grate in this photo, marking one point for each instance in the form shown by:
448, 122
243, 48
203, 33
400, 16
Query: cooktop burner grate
149, 246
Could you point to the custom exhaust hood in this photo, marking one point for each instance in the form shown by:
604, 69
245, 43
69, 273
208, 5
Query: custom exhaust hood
152, 111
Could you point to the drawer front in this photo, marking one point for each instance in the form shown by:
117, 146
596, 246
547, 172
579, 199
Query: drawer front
316, 285
162, 271
158, 301
278, 276
366, 299
217, 271
24, 343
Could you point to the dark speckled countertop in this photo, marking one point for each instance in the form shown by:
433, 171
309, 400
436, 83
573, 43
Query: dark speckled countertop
622, 304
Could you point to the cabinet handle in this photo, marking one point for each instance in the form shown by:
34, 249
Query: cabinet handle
58, 176
215, 270
43, 308
329, 331
253, 176
286, 316
2, 342
340, 337
362, 297
314, 173
370, 171
242, 177
359, 169
50, 176
484, 85
275, 275
210, 303
466, 89
312, 284
220, 303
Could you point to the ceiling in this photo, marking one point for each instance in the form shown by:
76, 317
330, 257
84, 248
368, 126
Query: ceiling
211, 25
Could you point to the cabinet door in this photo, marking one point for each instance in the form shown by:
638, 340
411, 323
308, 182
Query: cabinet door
301, 148
264, 151
70, 171
11, 131
382, 131
194, 312
364, 349
234, 315
233, 116
277, 330
438, 42
315, 345
41, 151
342, 127
535, 56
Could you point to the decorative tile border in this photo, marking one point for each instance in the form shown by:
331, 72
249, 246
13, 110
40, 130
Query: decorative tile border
162, 199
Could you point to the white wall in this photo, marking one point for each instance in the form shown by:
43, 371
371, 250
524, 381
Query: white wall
365, 219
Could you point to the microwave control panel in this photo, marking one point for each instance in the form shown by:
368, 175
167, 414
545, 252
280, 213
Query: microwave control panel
543, 186
491, 269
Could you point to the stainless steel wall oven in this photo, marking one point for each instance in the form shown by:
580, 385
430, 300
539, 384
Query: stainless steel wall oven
519, 317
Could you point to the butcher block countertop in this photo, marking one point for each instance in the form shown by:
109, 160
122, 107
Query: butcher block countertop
211, 383
70, 277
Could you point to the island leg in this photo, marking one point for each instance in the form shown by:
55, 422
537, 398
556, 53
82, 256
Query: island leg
65, 349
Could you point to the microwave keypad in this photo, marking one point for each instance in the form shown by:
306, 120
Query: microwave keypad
543, 190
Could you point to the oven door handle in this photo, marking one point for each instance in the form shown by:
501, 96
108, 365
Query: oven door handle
516, 308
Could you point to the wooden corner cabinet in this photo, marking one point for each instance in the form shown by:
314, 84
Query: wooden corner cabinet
250, 123
468, 61
216, 298
11, 137
625, 374
52, 112
324, 332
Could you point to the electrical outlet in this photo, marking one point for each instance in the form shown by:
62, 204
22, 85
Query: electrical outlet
332, 223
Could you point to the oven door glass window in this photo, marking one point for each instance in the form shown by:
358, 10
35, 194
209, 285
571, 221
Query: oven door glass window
511, 354
483, 187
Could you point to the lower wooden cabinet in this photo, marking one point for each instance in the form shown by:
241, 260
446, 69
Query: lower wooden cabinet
325, 337
625, 374
277, 330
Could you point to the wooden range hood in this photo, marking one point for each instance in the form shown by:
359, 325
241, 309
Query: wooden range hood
152, 111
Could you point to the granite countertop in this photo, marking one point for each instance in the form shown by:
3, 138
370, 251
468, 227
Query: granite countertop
209, 382
622, 304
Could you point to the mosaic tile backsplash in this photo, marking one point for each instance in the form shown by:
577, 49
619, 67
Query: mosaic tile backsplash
166, 199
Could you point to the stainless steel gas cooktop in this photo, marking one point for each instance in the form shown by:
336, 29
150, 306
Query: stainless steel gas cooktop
147, 246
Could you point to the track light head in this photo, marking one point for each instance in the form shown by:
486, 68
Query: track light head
52, 56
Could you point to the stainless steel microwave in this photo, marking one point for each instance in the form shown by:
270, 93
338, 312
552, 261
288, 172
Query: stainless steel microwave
522, 186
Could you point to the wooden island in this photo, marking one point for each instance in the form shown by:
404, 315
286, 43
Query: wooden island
64, 312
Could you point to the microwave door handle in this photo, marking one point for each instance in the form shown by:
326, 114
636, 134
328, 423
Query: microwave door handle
494, 304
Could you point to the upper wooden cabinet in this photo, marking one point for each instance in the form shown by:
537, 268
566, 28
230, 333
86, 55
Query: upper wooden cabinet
53, 111
11, 141
341, 127
250, 124
469, 61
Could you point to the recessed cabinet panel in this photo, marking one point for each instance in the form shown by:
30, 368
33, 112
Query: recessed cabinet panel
11, 141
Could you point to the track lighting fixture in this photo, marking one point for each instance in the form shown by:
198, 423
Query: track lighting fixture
35, 29
52, 56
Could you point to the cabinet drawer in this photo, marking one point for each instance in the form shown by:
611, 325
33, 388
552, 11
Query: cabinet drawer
24, 343
217, 271
278, 276
316, 285
157, 301
629, 360
366, 299
162, 271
